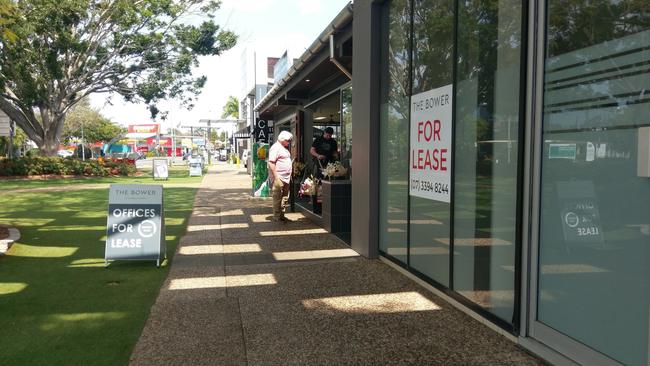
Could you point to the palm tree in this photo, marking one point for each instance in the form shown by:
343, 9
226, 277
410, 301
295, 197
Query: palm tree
231, 108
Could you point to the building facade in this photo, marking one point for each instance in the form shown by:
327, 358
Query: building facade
501, 156
545, 227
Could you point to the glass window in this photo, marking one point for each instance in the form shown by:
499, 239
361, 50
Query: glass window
433, 53
594, 244
345, 145
486, 158
393, 124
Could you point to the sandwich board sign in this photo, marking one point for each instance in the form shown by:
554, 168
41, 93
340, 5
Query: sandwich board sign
196, 166
135, 228
160, 170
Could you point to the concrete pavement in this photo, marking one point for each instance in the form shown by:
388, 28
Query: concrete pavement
246, 291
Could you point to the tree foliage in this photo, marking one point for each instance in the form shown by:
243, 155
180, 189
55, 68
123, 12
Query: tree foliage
8, 19
65, 50
95, 127
231, 108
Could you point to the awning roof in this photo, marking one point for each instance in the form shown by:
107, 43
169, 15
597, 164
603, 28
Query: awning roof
243, 133
139, 135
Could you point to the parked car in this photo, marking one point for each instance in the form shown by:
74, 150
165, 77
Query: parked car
65, 153
223, 157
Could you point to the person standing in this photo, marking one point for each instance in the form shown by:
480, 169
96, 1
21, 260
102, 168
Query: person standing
324, 149
280, 168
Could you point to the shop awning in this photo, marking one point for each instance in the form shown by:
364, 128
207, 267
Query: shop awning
243, 133
139, 135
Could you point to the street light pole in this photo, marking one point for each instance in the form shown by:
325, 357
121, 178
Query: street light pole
83, 149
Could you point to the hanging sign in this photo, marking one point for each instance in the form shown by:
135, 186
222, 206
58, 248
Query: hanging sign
261, 131
430, 148
135, 228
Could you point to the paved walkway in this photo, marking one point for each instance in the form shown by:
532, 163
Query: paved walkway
245, 291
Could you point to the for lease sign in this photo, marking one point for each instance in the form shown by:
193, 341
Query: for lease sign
135, 227
430, 155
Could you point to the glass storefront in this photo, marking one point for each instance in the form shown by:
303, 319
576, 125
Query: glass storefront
345, 143
432, 68
590, 177
393, 127
486, 151
481, 65
594, 242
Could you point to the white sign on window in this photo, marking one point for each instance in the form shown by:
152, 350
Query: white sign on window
430, 150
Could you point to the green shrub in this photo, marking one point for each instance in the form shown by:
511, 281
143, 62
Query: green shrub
25, 166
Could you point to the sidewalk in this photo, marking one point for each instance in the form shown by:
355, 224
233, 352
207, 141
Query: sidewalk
246, 291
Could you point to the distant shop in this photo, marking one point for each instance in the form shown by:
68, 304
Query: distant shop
313, 94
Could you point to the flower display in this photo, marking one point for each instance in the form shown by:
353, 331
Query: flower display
298, 168
335, 169
308, 187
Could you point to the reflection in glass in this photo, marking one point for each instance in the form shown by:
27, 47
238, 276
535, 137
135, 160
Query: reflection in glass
487, 125
433, 51
594, 206
393, 149
345, 143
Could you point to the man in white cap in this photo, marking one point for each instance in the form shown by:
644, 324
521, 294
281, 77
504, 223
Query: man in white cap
280, 169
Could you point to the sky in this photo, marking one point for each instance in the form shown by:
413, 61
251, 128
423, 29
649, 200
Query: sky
267, 27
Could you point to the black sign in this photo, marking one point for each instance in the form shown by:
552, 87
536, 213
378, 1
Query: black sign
135, 226
261, 130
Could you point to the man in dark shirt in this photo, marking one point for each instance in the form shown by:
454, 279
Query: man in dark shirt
325, 150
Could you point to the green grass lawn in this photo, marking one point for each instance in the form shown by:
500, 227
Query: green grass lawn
177, 174
58, 304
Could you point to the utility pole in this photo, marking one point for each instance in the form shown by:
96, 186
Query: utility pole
207, 144
83, 149
12, 133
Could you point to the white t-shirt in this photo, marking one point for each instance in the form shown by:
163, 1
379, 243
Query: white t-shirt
282, 159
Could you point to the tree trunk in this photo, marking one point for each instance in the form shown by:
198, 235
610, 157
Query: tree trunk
50, 145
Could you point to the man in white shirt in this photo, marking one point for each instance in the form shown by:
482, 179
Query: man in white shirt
280, 169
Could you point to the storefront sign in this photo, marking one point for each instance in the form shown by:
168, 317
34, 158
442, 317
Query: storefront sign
146, 128
160, 170
186, 143
430, 150
163, 141
579, 212
261, 131
135, 226
562, 151
199, 141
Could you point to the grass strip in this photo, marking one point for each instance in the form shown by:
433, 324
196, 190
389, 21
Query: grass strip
58, 304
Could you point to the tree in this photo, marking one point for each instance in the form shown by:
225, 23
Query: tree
95, 126
65, 50
8, 19
231, 108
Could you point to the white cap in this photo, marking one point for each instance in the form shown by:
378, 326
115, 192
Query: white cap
285, 136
